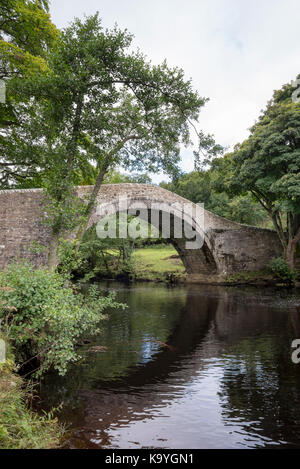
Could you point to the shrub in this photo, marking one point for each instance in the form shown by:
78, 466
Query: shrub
43, 316
69, 259
281, 270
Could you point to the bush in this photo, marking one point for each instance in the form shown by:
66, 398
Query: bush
43, 316
100, 257
281, 270
69, 259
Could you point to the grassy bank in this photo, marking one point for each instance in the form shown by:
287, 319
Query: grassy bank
20, 427
157, 263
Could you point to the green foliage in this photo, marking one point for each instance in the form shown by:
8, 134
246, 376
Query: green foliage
208, 149
20, 428
194, 186
69, 259
250, 277
108, 257
104, 257
43, 316
26, 25
281, 270
62, 213
244, 209
267, 165
26, 33
115, 177
100, 106
200, 187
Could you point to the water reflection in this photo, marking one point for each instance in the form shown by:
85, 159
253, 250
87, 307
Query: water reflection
226, 379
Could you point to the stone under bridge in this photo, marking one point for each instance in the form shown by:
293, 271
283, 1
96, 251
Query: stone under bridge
227, 246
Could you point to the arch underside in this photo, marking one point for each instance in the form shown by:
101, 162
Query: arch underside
195, 261
228, 246
198, 260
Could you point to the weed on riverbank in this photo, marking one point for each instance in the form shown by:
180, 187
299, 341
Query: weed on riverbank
20, 427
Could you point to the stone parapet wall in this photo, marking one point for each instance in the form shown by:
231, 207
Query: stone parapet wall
228, 246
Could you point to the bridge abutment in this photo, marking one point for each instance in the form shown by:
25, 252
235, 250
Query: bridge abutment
228, 247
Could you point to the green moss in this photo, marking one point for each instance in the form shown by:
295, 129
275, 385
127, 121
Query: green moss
249, 277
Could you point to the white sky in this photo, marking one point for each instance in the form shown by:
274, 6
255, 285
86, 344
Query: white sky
236, 51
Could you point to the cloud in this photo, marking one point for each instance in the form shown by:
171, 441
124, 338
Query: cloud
236, 52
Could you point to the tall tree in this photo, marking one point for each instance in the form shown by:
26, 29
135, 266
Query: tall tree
267, 164
103, 105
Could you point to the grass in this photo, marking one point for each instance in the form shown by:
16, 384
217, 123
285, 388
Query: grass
157, 262
20, 427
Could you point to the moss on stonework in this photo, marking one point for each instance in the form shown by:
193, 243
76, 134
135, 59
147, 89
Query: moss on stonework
250, 277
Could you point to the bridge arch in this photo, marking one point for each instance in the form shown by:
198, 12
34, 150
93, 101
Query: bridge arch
199, 257
227, 246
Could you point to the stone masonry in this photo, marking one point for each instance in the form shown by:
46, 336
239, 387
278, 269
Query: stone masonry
228, 246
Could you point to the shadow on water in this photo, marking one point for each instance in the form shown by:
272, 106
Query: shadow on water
224, 380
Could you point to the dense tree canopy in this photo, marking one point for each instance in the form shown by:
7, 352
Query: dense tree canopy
81, 106
99, 106
199, 187
26, 34
267, 165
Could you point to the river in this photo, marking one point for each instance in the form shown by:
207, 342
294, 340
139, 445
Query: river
186, 367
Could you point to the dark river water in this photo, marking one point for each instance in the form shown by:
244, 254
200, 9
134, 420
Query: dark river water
186, 367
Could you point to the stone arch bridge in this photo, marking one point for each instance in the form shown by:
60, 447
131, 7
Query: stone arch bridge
226, 246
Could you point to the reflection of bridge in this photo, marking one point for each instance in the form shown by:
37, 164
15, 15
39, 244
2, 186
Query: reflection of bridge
207, 329
227, 246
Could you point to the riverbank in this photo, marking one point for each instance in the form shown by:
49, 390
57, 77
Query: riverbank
20, 427
161, 263
44, 317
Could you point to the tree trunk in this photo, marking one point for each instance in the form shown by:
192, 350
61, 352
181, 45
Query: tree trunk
290, 250
281, 235
105, 262
52, 253
83, 227
108, 160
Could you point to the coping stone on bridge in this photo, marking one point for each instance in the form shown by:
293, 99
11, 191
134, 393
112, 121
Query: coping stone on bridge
228, 246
